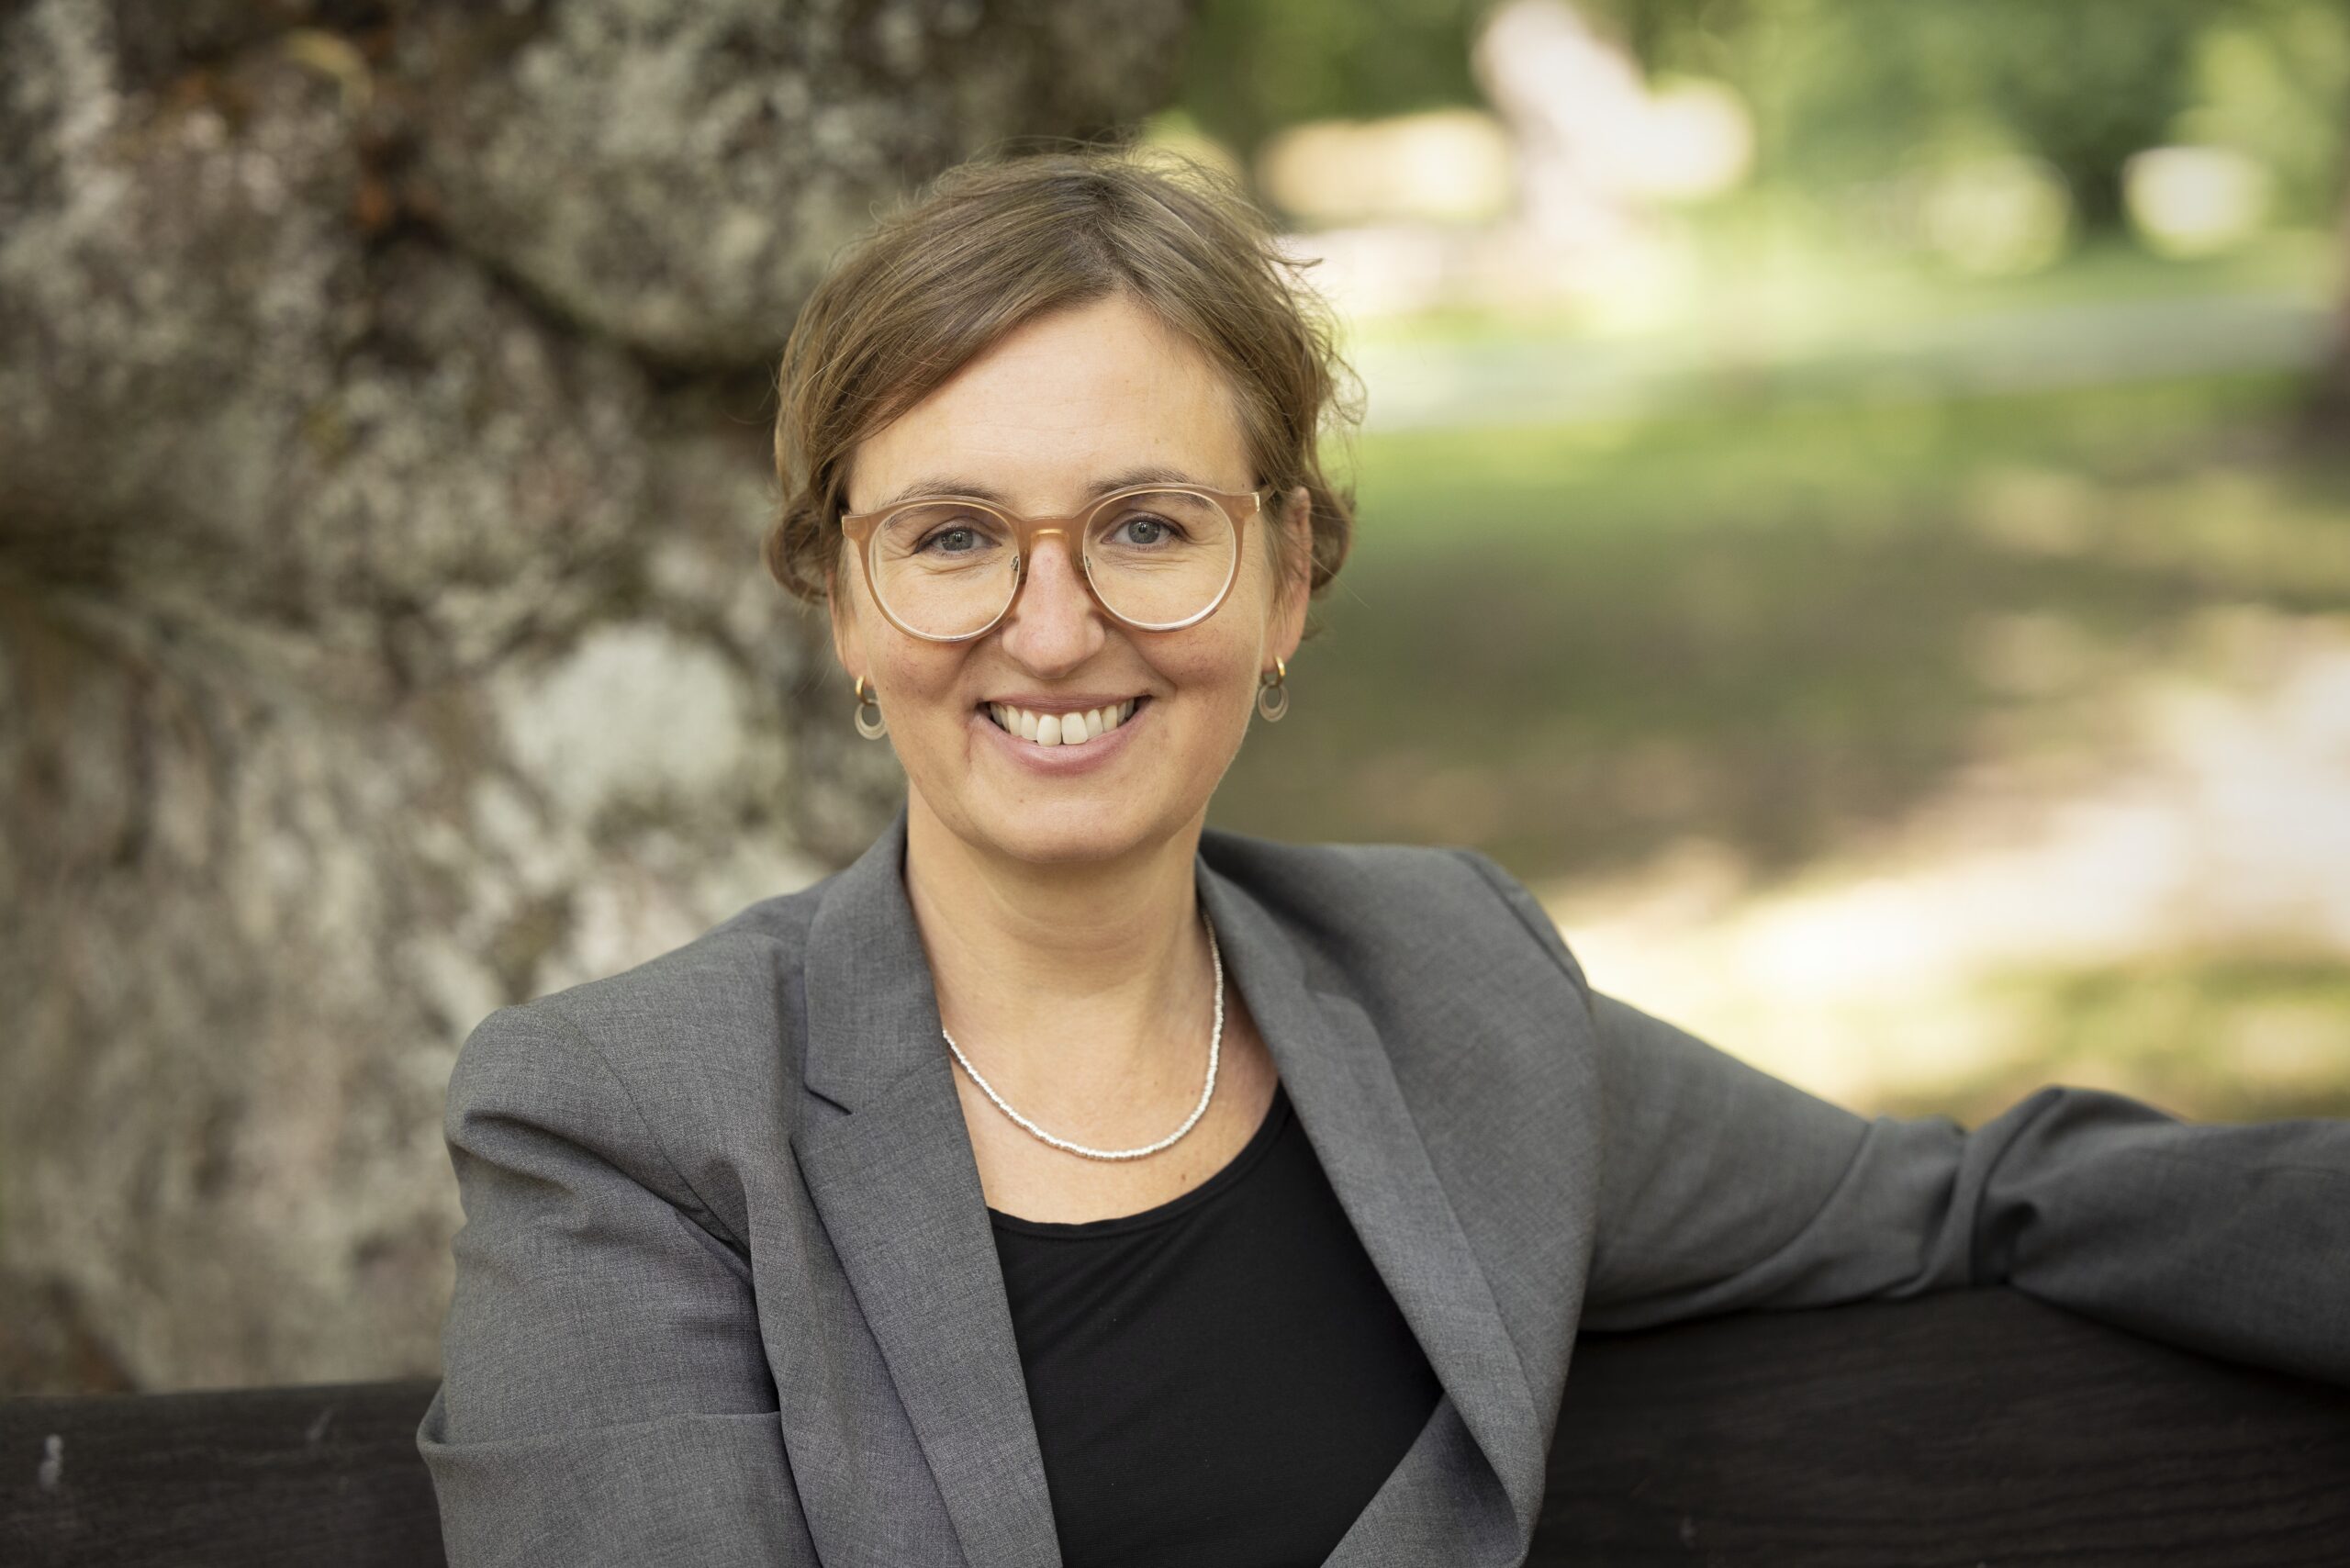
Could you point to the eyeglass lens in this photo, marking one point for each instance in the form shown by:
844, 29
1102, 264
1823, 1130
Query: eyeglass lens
1158, 559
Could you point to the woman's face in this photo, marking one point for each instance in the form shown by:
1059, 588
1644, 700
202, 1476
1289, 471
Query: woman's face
1063, 410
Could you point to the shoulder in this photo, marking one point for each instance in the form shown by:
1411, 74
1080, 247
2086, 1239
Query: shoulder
721, 1000
1441, 963
1374, 904
724, 979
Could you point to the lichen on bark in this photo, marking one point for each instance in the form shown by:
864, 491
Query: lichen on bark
383, 636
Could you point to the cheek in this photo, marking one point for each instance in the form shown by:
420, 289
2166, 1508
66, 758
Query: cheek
1230, 645
1210, 664
927, 677
922, 675
1220, 670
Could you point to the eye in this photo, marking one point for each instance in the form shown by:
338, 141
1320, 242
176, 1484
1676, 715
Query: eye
954, 539
1150, 528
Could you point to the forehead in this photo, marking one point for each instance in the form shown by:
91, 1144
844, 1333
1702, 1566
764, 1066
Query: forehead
1056, 404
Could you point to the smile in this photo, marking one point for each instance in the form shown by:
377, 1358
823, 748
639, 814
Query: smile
1049, 730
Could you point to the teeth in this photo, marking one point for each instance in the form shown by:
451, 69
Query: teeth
1060, 729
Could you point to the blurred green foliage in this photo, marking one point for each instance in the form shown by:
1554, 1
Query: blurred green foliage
1801, 543
1841, 91
1855, 90
2273, 80
1256, 66
1761, 620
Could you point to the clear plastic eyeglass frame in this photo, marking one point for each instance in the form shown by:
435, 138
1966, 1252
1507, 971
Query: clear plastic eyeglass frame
1240, 506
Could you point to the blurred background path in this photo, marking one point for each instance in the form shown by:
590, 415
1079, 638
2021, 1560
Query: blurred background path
1426, 382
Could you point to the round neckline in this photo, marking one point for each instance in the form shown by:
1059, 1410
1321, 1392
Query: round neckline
1252, 1153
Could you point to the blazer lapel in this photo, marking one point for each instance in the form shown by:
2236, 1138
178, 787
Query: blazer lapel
1344, 1093
898, 1189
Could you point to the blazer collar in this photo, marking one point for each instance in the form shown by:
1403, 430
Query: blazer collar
897, 1186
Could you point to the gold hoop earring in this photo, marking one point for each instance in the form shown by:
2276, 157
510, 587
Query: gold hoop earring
872, 729
1273, 693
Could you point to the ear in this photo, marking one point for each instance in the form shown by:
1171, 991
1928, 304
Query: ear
1296, 523
847, 644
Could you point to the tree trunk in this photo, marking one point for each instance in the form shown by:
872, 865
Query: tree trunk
383, 637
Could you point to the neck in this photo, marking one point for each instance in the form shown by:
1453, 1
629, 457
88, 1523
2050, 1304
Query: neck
1081, 990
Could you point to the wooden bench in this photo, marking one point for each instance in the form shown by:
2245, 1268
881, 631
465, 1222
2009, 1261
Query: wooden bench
1970, 1427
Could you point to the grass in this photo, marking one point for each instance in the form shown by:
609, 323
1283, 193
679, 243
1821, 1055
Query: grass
2220, 1038
1783, 582
1757, 620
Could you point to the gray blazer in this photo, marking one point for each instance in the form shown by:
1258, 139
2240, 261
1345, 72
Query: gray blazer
727, 1294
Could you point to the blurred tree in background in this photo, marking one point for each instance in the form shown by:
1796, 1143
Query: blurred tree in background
383, 388
1853, 89
1255, 66
1883, 592
1840, 91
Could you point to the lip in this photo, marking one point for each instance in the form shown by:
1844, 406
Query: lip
1056, 761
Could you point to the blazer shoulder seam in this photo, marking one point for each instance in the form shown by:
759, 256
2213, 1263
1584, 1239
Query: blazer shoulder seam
704, 1214
1491, 875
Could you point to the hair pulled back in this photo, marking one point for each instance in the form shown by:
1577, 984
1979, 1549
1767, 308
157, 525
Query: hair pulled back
992, 245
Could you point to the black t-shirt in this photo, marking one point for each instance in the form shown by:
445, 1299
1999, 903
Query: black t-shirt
1224, 1378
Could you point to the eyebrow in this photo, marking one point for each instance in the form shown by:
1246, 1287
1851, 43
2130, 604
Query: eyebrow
945, 485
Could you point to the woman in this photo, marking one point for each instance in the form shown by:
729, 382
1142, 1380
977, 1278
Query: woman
1063, 1181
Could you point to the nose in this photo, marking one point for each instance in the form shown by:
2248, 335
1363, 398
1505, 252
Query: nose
1054, 624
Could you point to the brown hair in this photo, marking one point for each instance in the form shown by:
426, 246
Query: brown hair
999, 241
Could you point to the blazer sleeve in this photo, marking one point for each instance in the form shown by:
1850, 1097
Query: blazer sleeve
604, 1396
1724, 1188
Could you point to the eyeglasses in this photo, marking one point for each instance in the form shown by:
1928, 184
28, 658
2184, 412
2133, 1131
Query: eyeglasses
1156, 557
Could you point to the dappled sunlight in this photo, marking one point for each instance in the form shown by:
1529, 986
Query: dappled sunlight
1991, 940
1776, 626
1557, 199
1858, 528
2190, 201
2252, 530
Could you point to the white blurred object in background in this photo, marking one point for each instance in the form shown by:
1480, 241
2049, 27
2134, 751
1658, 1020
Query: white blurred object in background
1558, 197
1596, 145
2192, 201
1446, 166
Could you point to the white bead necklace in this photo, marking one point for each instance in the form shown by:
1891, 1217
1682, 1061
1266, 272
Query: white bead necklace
1215, 1048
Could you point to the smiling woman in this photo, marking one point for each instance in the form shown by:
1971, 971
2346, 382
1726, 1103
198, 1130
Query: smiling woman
1099, 389
1065, 1182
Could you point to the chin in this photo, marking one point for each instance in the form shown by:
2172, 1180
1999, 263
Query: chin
1048, 833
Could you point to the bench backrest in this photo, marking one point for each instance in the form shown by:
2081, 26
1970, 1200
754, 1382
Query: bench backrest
1963, 1427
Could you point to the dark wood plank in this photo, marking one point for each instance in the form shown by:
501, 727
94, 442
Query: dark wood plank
1970, 1427
1966, 1427
324, 1473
